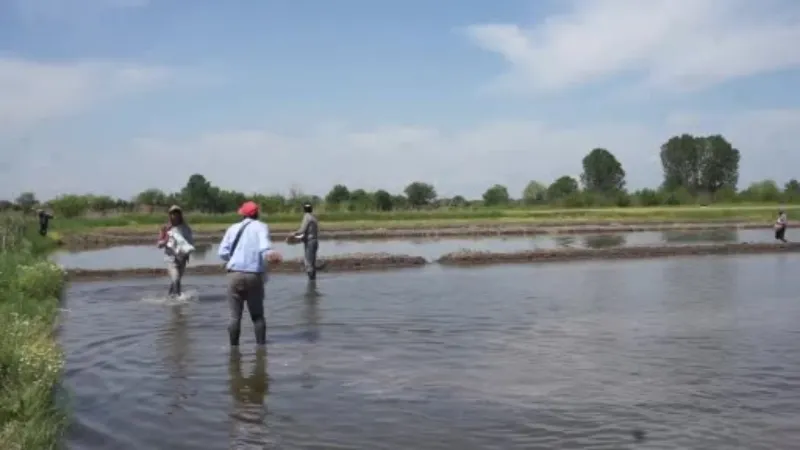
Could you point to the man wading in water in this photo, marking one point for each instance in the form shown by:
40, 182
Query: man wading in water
176, 259
308, 234
780, 226
246, 248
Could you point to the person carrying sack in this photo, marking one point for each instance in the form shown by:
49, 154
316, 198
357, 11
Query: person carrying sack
246, 249
178, 243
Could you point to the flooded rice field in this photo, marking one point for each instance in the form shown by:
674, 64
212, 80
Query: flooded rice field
694, 353
148, 256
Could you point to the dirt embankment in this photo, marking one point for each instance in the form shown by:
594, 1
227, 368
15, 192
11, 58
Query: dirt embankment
344, 263
469, 258
363, 262
110, 238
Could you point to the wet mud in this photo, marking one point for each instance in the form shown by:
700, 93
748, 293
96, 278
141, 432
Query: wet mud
112, 238
343, 263
470, 258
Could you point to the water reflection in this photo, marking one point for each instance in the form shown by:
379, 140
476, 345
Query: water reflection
311, 312
249, 393
598, 241
177, 344
687, 237
251, 390
564, 240
310, 318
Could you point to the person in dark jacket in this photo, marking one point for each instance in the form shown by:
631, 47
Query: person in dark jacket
308, 234
44, 221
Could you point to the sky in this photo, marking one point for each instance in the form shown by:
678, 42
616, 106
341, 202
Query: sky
117, 96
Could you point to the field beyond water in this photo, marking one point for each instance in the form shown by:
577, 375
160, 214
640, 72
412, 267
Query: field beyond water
30, 358
438, 218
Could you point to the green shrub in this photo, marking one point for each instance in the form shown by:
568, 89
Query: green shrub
30, 358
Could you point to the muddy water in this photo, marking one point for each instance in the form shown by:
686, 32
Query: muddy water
147, 256
698, 353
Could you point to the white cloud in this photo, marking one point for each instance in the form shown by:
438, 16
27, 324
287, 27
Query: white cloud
32, 92
464, 161
674, 44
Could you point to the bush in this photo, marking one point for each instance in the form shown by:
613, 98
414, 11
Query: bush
30, 358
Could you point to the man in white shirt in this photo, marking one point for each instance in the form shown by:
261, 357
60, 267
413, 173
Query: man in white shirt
246, 248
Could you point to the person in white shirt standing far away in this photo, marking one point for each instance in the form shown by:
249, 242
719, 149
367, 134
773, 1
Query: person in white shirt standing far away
247, 250
780, 226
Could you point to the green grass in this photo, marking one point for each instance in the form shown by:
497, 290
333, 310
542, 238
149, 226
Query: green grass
443, 217
30, 358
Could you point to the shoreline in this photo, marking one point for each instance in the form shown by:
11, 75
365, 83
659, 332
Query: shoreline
108, 238
383, 261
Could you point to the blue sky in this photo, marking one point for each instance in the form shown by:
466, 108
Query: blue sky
116, 96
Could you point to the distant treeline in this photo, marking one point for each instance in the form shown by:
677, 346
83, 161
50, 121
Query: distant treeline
696, 170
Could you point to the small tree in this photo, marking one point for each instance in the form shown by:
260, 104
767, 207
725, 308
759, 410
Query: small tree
534, 193
26, 201
562, 188
383, 200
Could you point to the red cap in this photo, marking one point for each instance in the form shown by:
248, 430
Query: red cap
248, 209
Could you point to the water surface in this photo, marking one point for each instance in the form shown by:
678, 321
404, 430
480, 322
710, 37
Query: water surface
697, 353
149, 256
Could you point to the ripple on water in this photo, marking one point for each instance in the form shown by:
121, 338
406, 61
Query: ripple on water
686, 353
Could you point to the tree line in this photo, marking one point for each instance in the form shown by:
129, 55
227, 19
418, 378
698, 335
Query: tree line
696, 170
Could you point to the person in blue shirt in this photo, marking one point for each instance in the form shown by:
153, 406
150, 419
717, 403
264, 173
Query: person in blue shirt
247, 251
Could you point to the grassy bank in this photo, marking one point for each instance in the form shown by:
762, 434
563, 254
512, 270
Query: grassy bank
30, 358
445, 217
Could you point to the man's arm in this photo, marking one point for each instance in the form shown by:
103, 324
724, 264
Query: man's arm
224, 251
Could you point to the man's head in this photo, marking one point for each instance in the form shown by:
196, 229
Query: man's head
175, 215
308, 208
780, 211
249, 210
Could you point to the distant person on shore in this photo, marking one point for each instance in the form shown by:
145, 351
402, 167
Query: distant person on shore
780, 226
178, 243
44, 221
308, 234
246, 248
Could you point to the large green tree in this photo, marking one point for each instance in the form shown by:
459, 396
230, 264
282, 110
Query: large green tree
198, 194
420, 194
602, 172
700, 163
337, 195
496, 195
